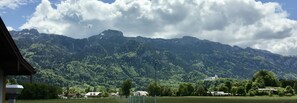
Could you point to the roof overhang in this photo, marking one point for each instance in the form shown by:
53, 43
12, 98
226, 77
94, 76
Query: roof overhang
11, 60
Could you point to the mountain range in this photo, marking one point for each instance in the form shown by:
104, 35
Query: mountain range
109, 58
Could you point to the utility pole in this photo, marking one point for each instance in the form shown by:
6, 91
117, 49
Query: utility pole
155, 81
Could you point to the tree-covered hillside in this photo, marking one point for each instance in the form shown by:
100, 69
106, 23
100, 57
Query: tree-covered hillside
109, 58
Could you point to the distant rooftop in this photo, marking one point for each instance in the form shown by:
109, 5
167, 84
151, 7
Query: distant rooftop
211, 78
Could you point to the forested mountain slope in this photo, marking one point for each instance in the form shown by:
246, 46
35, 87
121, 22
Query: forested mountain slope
108, 58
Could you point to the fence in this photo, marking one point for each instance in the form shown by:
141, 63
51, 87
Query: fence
141, 99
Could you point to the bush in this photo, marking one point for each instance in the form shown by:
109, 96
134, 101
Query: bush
289, 91
270, 94
262, 93
185, 89
241, 91
281, 92
39, 91
251, 93
289, 94
233, 90
105, 94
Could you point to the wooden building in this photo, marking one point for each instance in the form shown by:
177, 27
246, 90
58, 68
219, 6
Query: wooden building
11, 60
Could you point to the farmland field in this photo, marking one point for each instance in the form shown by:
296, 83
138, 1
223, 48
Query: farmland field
261, 99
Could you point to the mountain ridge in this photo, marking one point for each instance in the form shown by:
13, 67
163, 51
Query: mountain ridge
108, 58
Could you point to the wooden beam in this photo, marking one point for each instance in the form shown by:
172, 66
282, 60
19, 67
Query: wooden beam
31, 79
18, 67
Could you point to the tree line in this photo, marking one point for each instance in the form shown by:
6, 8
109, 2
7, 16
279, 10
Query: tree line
263, 79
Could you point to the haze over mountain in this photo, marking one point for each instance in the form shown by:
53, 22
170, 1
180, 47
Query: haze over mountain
108, 58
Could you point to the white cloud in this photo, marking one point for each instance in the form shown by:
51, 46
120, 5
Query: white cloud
9, 28
13, 4
235, 22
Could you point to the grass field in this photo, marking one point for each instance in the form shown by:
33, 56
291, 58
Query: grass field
177, 100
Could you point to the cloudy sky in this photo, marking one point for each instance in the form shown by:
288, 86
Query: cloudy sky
262, 24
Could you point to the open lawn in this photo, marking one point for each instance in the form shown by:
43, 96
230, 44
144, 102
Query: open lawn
97, 100
261, 99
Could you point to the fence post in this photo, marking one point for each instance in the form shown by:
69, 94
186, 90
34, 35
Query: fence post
143, 99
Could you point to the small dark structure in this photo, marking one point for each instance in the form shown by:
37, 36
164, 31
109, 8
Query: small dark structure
11, 60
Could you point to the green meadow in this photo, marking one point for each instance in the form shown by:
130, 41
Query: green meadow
190, 99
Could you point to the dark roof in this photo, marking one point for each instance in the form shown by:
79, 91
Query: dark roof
11, 60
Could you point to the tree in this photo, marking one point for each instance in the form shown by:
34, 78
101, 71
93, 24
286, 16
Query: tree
234, 90
105, 94
165, 91
251, 92
260, 82
223, 88
248, 85
182, 90
88, 90
281, 92
240, 90
228, 84
295, 87
185, 89
190, 89
95, 89
283, 83
267, 77
289, 90
67, 91
153, 89
199, 90
126, 86
255, 86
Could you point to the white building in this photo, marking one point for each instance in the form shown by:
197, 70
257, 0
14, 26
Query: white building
267, 89
93, 94
219, 93
114, 94
211, 78
140, 93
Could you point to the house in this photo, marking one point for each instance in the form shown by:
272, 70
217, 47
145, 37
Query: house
114, 94
267, 90
219, 93
140, 93
11, 60
93, 94
211, 78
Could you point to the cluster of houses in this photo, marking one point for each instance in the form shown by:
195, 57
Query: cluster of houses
99, 94
78, 95
145, 93
221, 93
215, 93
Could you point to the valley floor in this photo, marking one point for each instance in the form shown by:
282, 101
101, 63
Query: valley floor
190, 99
